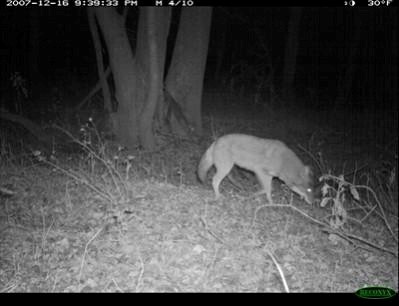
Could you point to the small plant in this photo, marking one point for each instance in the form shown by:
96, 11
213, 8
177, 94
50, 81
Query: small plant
98, 164
336, 191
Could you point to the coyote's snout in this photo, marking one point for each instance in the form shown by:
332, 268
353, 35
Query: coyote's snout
267, 158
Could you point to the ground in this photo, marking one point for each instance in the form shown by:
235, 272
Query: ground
143, 223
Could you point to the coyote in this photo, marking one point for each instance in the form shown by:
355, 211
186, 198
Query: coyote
267, 158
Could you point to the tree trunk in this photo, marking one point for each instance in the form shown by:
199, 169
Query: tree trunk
185, 77
125, 73
291, 50
156, 24
138, 80
99, 57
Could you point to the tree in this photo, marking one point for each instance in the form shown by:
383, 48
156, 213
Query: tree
185, 76
139, 78
100, 61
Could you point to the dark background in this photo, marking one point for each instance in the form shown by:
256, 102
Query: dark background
326, 41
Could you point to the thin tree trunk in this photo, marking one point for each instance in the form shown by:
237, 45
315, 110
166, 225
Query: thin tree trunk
92, 92
186, 74
99, 57
125, 73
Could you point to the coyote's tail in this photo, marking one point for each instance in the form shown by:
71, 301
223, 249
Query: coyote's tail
205, 163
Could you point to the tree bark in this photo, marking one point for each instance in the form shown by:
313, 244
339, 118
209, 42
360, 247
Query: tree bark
125, 73
157, 21
99, 57
186, 74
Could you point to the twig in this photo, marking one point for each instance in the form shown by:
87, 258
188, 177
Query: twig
287, 290
211, 232
371, 191
326, 226
84, 254
346, 236
141, 273
93, 91
291, 207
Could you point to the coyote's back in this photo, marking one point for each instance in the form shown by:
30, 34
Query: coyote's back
267, 158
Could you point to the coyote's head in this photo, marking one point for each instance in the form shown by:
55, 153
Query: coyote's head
303, 185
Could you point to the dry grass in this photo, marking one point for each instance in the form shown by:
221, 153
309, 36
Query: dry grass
103, 220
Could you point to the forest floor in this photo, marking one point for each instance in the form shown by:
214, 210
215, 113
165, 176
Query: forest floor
109, 221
